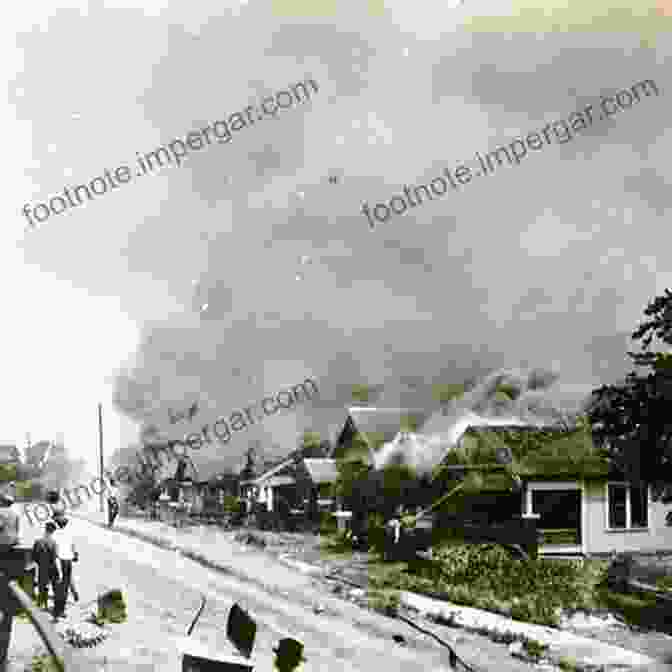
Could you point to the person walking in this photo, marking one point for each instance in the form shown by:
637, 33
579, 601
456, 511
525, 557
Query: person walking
45, 555
9, 521
56, 503
66, 553
112, 503
393, 535
73, 589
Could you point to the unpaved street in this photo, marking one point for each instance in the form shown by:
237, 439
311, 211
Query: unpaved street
162, 590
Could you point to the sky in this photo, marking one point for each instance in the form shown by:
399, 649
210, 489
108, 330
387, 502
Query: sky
549, 263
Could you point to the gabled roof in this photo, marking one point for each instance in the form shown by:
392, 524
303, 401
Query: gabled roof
321, 470
208, 468
375, 426
537, 452
272, 472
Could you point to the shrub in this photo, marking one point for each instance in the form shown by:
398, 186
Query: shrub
487, 576
664, 583
534, 648
111, 607
44, 664
383, 602
328, 524
231, 504
568, 664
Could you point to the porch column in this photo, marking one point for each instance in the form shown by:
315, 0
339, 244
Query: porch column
530, 521
526, 496
270, 498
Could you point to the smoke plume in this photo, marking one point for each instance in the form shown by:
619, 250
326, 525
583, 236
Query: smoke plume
504, 397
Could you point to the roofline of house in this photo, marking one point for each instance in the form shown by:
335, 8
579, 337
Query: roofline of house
272, 471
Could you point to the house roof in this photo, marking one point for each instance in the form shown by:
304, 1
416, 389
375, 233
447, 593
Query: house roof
321, 470
209, 469
262, 478
376, 426
536, 452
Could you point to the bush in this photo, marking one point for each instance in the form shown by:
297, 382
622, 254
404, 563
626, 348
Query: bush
486, 576
232, 504
534, 648
44, 664
111, 608
376, 531
327, 524
664, 583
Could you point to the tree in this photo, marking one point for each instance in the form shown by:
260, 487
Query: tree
632, 418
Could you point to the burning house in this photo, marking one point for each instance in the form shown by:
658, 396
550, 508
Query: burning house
518, 457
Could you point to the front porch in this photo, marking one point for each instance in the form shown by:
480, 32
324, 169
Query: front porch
558, 508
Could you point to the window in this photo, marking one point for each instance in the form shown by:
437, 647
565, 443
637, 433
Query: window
627, 505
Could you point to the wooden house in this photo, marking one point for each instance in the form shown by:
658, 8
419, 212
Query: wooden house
582, 504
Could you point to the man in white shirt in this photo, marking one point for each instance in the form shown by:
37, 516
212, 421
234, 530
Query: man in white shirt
65, 548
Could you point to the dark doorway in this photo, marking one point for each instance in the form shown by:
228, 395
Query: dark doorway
560, 512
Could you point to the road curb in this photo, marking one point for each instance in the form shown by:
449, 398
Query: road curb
300, 566
603, 657
588, 654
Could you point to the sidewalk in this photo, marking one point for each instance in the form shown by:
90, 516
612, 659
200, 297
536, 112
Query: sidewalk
216, 549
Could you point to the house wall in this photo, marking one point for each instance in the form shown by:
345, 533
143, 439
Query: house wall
658, 537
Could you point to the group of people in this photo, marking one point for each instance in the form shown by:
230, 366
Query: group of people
54, 554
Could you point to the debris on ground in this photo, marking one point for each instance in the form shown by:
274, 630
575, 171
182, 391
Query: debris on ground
111, 608
251, 538
81, 635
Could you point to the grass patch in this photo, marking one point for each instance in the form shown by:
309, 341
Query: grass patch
336, 544
664, 583
383, 601
568, 664
43, 664
534, 648
485, 576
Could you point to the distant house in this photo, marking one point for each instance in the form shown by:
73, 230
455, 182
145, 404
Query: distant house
38, 453
9, 454
200, 484
296, 482
582, 504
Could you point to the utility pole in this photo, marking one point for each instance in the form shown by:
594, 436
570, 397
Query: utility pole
100, 438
